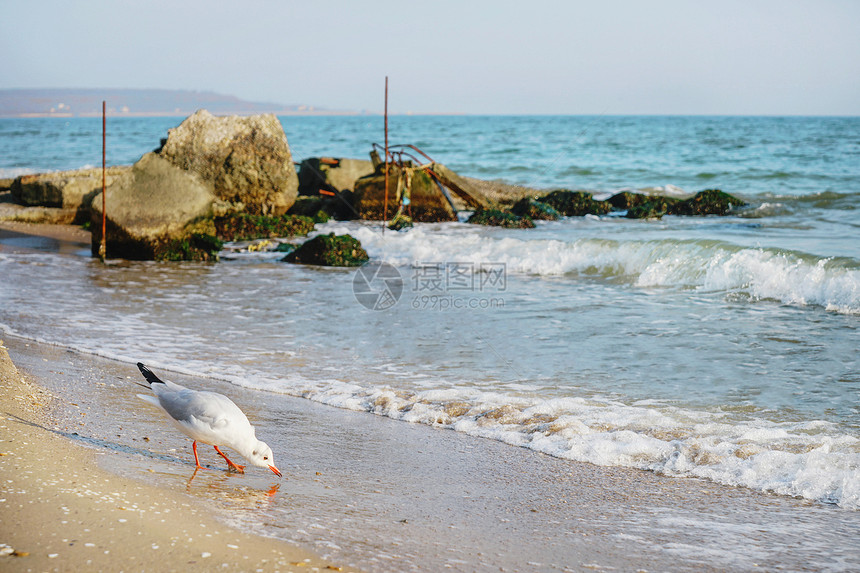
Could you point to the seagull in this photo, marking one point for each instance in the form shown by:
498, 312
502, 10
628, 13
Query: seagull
210, 418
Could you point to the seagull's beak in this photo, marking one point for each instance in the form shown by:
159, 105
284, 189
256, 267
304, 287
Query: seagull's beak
275, 471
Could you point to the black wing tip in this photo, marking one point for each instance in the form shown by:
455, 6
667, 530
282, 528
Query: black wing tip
147, 373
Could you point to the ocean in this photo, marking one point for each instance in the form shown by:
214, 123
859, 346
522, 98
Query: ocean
722, 348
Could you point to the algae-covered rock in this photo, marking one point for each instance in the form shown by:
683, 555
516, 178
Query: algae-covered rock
707, 202
653, 208
330, 251
575, 203
196, 247
534, 209
245, 227
626, 200
497, 218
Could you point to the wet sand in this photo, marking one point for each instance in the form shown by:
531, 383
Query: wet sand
65, 239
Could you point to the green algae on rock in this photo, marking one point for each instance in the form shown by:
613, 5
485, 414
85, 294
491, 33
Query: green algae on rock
707, 202
329, 251
575, 203
535, 209
196, 247
497, 218
246, 227
653, 207
626, 200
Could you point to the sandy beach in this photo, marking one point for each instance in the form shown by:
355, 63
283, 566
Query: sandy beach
61, 512
94, 479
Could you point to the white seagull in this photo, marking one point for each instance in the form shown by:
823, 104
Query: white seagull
210, 418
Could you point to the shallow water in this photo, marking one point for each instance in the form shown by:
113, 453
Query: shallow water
721, 348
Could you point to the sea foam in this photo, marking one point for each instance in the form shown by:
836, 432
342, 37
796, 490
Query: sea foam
800, 459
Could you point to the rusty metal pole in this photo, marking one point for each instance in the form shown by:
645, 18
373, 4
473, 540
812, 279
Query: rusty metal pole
103, 246
385, 208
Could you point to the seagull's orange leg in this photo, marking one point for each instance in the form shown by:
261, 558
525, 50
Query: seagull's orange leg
196, 459
231, 465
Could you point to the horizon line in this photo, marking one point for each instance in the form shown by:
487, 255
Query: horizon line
365, 113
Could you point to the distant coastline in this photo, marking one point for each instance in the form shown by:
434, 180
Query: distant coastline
69, 103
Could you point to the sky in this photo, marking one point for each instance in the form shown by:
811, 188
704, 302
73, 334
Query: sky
751, 57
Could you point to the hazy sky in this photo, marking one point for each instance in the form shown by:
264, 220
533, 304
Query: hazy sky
566, 57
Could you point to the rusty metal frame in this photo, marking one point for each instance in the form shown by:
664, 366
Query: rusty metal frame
400, 151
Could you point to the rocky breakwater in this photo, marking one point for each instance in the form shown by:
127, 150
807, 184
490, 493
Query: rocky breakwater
632, 205
209, 170
548, 207
707, 202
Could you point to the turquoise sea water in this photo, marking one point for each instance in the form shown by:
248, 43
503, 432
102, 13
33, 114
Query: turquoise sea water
752, 155
723, 348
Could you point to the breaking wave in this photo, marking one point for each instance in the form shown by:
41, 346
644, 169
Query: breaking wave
710, 265
811, 460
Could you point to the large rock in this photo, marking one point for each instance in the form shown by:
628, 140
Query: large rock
72, 191
153, 208
331, 174
244, 159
